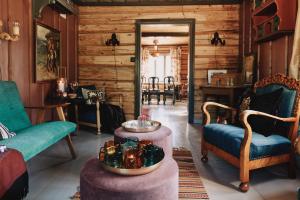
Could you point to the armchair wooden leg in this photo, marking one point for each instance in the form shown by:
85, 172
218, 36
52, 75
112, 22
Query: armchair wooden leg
292, 167
71, 147
204, 152
98, 117
244, 177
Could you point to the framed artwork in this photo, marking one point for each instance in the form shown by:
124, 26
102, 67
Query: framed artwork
211, 72
248, 68
47, 53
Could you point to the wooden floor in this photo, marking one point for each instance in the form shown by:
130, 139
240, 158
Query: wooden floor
54, 176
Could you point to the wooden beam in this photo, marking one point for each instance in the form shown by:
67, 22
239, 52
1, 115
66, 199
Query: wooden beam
167, 34
155, 2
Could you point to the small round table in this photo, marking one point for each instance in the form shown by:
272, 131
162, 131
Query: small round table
161, 137
98, 184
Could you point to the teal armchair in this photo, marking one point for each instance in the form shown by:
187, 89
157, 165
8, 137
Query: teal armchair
30, 139
249, 150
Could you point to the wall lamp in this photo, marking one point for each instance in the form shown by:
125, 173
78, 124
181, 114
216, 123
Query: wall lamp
15, 32
217, 40
113, 41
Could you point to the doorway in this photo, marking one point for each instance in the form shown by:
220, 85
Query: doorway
171, 37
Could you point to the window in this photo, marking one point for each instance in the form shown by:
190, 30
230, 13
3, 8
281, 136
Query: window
159, 66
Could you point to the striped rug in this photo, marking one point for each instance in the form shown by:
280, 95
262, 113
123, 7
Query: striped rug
190, 184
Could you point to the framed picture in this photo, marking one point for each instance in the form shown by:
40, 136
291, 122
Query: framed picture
211, 72
47, 53
249, 68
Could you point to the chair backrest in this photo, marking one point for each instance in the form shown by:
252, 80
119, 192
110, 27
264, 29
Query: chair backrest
288, 105
12, 112
153, 83
169, 83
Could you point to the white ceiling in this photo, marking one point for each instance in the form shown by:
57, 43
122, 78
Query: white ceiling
163, 28
165, 40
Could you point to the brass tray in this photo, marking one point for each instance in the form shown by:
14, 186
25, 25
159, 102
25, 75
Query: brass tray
131, 172
133, 126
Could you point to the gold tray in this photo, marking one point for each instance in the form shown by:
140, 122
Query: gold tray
131, 172
132, 126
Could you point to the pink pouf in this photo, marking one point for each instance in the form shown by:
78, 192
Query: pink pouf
161, 137
98, 184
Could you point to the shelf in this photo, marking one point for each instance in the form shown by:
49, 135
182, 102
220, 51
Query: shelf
268, 8
273, 36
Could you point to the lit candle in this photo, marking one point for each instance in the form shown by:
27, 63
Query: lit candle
16, 29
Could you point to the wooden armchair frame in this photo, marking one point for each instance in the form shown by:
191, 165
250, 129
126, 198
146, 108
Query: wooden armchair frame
244, 162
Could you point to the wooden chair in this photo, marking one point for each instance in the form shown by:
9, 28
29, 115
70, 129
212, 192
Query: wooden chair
145, 90
238, 146
153, 89
169, 89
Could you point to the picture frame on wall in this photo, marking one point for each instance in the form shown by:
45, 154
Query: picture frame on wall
47, 53
211, 72
249, 66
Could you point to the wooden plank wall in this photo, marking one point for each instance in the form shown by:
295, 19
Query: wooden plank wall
16, 58
96, 61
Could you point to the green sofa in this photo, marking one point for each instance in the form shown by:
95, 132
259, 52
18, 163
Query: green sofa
30, 139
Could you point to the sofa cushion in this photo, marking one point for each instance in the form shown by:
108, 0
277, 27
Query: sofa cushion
12, 112
229, 139
267, 103
286, 105
33, 140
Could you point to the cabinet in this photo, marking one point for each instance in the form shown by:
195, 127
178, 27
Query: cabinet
273, 18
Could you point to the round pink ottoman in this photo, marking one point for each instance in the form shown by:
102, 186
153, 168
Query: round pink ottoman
98, 184
161, 137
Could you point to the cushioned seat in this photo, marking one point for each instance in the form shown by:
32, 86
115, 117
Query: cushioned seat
29, 141
229, 139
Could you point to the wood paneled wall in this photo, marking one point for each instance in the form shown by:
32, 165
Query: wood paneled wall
96, 61
273, 56
16, 58
184, 64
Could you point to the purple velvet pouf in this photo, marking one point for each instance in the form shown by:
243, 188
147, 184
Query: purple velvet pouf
98, 184
161, 137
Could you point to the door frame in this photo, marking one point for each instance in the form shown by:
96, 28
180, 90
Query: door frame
138, 35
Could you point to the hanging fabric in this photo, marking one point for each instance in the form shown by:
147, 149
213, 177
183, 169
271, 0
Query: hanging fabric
295, 61
176, 63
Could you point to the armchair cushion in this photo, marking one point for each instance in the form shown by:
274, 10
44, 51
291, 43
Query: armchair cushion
286, 105
267, 103
33, 140
229, 138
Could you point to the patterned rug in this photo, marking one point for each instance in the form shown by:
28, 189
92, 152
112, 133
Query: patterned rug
190, 184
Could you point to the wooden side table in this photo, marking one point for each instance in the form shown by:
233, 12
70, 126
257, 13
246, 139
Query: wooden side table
231, 92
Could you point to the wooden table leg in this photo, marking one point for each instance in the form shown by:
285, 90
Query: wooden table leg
60, 113
61, 116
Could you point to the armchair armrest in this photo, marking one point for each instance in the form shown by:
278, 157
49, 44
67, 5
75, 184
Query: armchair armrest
245, 147
207, 114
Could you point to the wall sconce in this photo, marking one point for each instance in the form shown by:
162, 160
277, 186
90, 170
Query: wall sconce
113, 41
15, 33
217, 40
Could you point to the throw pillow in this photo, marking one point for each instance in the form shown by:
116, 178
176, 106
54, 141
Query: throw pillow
267, 103
5, 133
94, 95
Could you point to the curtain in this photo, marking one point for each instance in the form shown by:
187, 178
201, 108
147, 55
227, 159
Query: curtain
295, 61
176, 63
145, 57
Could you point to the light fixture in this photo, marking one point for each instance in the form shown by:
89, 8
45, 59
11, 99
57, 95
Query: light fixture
217, 40
15, 33
155, 53
113, 41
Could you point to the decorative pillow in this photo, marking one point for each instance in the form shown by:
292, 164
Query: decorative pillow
267, 103
5, 133
94, 95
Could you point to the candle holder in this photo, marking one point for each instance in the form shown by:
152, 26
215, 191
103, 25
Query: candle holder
15, 33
